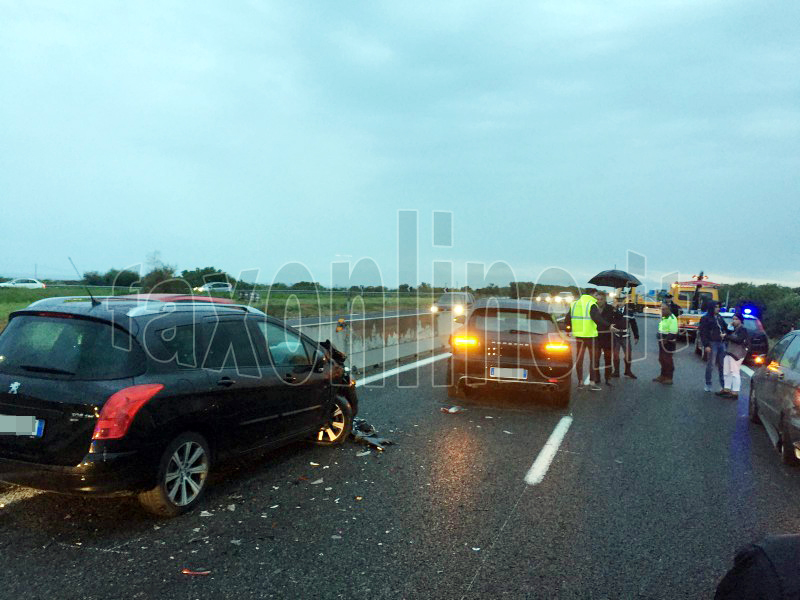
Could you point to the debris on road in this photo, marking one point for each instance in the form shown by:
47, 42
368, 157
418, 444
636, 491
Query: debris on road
313, 464
359, 498
231, 507
452, 409
364, 433
197, 572
476, 549
364, 453
488, 417
317, 482
336, 537
275, 506
205, 513
236, 542
508, 432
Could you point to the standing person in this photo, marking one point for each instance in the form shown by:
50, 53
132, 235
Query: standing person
583, 318
605, 339
737, 343
711, 330
674, 308
667, 334
625, 322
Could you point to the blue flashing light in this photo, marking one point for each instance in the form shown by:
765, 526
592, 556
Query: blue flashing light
748, 311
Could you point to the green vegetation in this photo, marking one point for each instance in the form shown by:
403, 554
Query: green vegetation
777, 305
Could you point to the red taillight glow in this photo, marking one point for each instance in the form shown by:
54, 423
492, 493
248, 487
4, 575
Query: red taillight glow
557, 347
119, 410
759, 360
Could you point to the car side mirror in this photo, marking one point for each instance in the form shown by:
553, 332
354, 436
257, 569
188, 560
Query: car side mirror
319, 362
460, 319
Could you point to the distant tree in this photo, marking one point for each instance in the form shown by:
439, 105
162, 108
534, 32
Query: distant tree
305, 285
93, 278
123, 279
163, 279
404, 288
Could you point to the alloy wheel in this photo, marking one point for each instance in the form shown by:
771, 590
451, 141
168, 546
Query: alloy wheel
186, 473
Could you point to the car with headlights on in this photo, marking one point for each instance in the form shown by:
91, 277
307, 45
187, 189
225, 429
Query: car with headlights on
23, 284
129, 396
215, 287
457, 302
775, 397
510, 345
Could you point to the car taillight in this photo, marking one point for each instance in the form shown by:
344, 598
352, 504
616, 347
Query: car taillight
556, 345
119, 410
759, 360
462, 342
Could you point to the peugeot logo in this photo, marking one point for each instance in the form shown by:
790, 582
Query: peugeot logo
12, 389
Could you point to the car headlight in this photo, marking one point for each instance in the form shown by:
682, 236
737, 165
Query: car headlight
458, 309
434, 308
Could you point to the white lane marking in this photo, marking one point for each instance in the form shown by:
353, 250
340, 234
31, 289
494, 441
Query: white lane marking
746, 370
539, 467
408, 367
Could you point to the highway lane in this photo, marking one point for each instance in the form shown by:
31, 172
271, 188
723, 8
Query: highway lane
650, 493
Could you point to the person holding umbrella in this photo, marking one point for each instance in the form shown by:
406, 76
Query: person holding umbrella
625, 322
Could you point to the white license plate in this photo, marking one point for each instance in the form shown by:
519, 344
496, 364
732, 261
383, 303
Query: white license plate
507, 373
21, 425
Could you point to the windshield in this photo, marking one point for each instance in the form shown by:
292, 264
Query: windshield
507, 321
68, 347
451, 297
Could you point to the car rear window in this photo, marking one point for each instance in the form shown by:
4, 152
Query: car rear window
68, 348
502, 320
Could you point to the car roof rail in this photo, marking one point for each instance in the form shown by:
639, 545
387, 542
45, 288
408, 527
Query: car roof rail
152, 307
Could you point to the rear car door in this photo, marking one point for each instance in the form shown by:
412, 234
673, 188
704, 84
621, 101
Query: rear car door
787, 380
767, 389
304, 378
240, 393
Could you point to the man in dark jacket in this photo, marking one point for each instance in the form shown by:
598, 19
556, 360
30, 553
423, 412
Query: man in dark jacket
624, 319
605, 339
712, 330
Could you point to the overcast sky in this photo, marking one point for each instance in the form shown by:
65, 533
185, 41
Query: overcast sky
249, 135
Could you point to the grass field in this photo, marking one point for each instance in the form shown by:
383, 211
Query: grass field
282, 304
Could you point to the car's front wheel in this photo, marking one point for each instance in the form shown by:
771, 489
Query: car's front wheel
182, 475
339, 424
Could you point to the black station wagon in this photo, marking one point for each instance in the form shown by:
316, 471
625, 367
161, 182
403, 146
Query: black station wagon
119, 396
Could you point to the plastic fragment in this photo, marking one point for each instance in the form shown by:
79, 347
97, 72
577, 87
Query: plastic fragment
317, 482
358, 498
196, 572
275, 506
205, 513
476, 549
313, 464
336, 537
508, 432
231, 507
236, 542
488, 417
328, 489
452, 409
364, 453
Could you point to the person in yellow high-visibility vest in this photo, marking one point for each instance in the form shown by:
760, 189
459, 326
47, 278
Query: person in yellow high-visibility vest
667, 335
583, 318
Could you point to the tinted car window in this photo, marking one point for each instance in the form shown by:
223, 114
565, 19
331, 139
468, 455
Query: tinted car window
789, 358
285, 347
513, 320
68, 347
777, 351
229, 346
178, 344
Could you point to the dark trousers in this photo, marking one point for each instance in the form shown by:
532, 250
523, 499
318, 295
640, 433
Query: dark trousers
665, 350
581, 345
625, 344
605, 352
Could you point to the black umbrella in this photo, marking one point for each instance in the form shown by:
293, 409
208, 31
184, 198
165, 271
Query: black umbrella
615, 278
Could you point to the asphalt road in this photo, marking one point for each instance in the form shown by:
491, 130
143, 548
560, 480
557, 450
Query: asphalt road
649, 495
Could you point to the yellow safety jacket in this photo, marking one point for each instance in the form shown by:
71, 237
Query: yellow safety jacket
668, 325
582, 324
